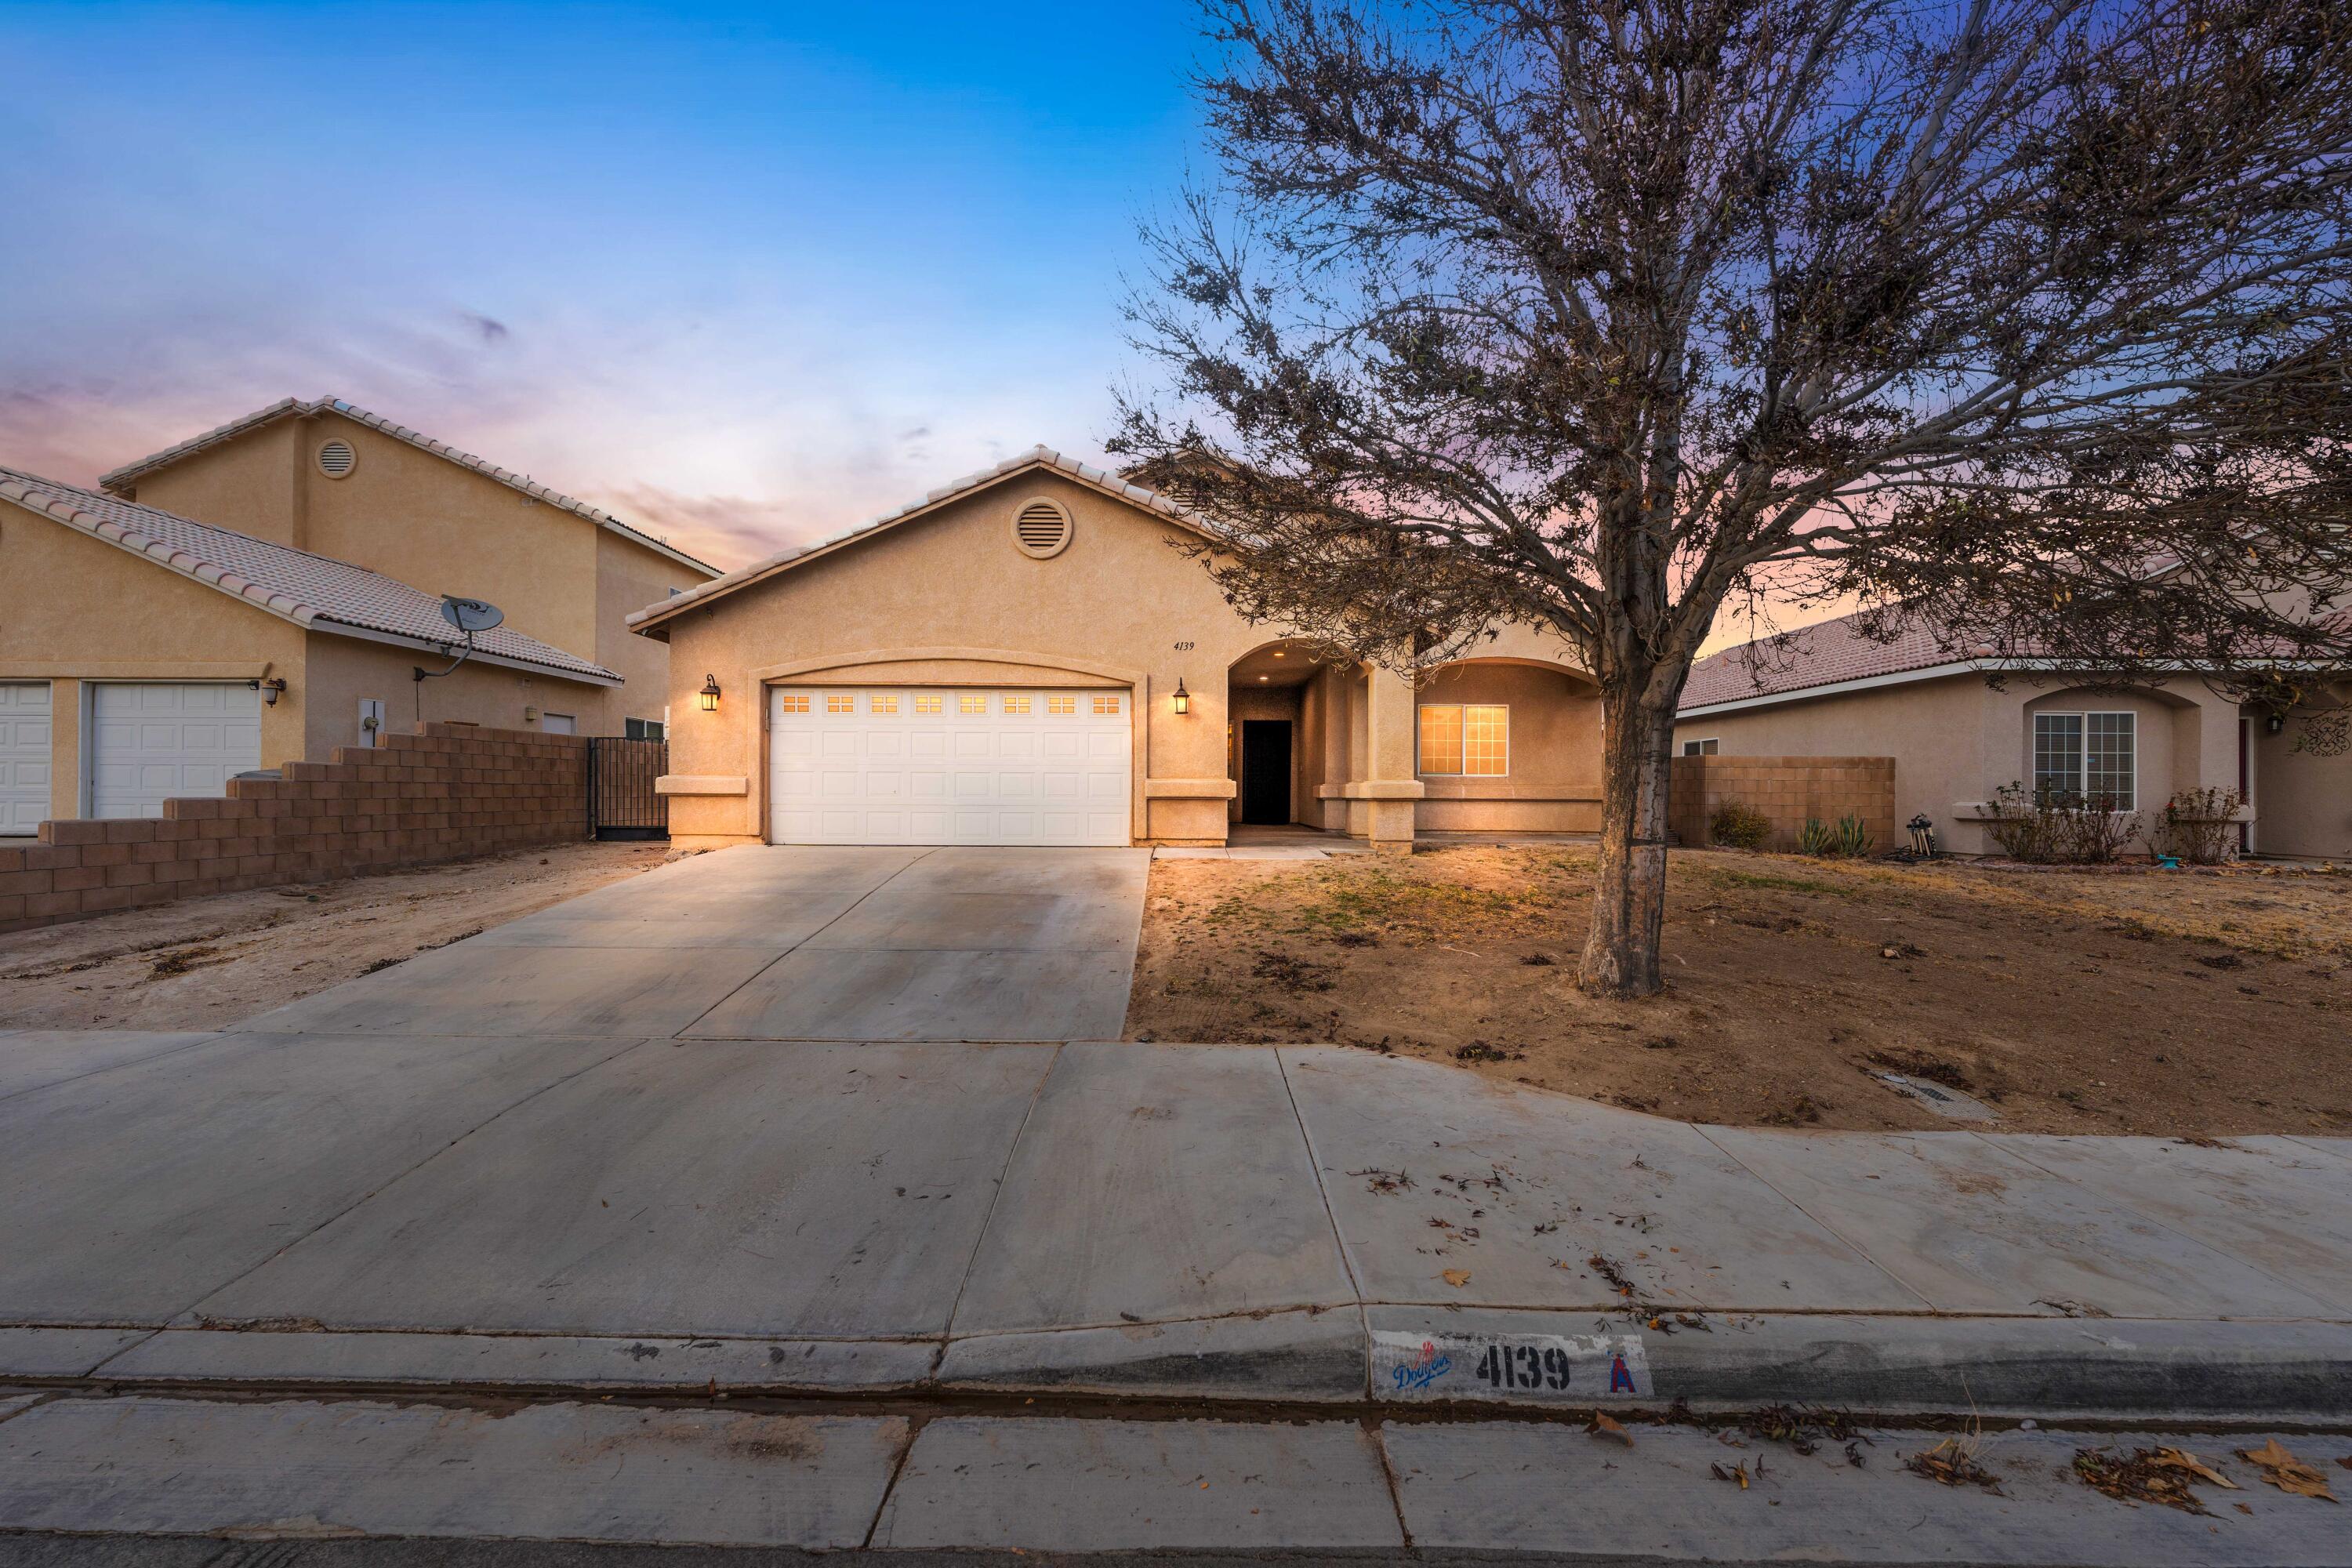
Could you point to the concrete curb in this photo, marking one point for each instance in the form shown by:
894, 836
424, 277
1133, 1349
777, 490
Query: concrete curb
2092, 1368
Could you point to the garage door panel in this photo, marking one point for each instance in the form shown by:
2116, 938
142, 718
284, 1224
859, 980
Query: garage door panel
27, 734
904, 765
152, 741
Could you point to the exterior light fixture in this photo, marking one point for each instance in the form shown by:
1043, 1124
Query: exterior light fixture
2275, 723
271, 690
709, 694
1183, 698
1265, 677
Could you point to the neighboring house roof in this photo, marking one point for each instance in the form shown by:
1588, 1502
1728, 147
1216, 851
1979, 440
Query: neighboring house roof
1108, 483
294, 407
315, 592
1832, 654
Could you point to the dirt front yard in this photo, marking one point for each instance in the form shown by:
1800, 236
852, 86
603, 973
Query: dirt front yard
2201, 1003
210, 963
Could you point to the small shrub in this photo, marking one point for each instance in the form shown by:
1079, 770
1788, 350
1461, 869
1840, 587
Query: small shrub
1740, 825
1849, 838
2052, 828
2195, 826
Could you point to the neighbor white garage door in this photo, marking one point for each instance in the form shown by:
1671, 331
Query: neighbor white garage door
149, 742
26, 737
907, 765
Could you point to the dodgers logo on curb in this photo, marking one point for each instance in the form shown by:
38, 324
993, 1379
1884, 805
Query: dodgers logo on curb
1567, 1369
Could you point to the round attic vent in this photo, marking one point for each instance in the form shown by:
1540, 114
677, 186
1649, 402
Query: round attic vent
1042, 528
336, 459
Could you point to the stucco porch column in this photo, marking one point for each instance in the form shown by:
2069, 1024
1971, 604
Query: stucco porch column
1380, 789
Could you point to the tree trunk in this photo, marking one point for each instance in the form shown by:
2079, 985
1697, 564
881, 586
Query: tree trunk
1629, 893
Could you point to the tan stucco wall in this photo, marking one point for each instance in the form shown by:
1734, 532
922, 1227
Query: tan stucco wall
443, 528
344, 669
2304, 801
1955, 740
1554, 783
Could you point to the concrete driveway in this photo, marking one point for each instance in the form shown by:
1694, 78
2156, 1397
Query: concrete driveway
786, 944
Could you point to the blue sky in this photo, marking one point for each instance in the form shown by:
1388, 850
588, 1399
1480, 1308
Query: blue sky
744, 273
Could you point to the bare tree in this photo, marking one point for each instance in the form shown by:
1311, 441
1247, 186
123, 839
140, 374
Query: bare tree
2023, 317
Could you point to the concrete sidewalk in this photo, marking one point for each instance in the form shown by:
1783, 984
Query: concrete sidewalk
291, 1473
333, 1210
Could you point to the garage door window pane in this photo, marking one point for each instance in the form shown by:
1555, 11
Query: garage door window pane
884, 704
792, 702
972, 702
1016, 705
927, 704
1061, 705
840, 702
1107, 705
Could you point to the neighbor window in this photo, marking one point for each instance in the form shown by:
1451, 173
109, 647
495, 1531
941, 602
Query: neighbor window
973, 702
840, 702
2087, 757
1472, 739
792, 701
1698, 748
641, 729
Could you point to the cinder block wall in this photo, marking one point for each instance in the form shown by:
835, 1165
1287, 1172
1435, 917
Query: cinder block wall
1788, 790
444, 793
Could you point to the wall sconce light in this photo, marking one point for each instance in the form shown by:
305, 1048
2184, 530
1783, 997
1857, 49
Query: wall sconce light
271, 690
709, 695
1183, 698
2275, 723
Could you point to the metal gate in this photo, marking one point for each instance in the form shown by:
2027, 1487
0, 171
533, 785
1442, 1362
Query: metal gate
622, 802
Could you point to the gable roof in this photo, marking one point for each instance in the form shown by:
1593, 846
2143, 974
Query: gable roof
294, 407
317, 593
643, 621
1831, 653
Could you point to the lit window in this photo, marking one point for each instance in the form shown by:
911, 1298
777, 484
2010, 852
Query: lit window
2086, 759
973, 702
927, 705
881, 704
1061, 705
1016, 705
1486, 741
1105, 705
792, 701
1698, 748
1473, 739
1441, 739
840, 702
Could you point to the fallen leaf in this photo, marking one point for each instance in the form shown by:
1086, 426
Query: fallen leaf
2182, 1459
1737, 1472
2285, 1472
1457, 1278
1602, 1427
2241, 1508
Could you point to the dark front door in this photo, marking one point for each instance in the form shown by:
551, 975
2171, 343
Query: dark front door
1266, 770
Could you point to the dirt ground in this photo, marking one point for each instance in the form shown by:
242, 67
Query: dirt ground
210, 963
2195, 1003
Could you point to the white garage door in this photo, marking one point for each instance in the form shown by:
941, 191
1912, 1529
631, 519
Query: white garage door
24, 741
906, 765
149, 742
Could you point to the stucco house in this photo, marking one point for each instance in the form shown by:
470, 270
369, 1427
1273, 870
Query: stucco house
261, 594
1956, 738
1028, 654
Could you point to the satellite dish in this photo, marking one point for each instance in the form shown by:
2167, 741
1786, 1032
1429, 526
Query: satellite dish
471, 615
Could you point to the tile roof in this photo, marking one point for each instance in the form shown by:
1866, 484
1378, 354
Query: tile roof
1102, 479
294, 407
316, 592
1824, 654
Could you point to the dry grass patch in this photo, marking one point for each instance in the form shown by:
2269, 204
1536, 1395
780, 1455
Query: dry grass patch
2195, 1003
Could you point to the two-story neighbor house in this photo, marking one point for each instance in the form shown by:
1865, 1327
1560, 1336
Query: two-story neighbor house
262, 594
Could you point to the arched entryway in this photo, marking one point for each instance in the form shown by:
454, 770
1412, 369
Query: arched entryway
1277, 711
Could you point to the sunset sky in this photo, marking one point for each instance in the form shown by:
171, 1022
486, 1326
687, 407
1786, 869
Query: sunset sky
742, 274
